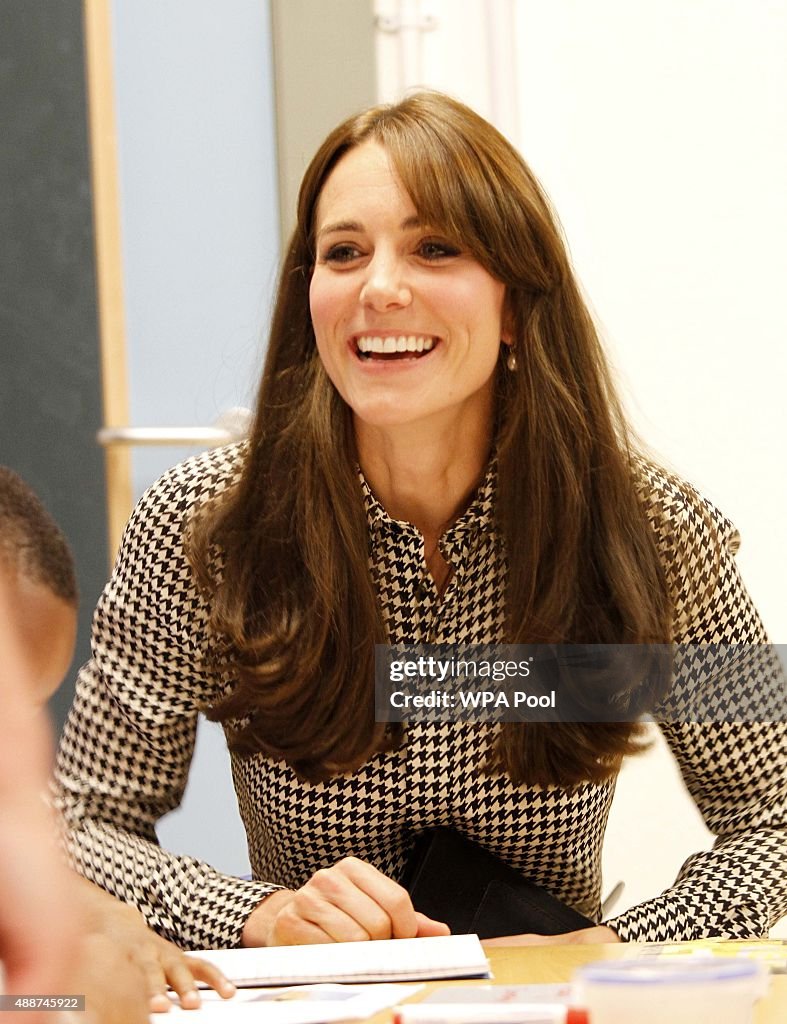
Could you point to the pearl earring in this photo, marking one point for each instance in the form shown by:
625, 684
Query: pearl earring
511, 361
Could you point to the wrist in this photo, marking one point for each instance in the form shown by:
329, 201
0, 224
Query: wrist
259, 927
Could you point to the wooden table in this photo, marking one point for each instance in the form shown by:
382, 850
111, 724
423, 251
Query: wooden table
538, 965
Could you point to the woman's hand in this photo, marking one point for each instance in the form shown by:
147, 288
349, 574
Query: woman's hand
349, 902
160, 961
595, 935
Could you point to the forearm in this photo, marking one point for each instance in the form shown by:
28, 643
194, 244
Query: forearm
180, 898
738, 890
116, 775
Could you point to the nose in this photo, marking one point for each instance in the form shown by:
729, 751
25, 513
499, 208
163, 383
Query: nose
385, 286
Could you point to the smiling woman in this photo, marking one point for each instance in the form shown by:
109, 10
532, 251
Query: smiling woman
438, 456
408, 325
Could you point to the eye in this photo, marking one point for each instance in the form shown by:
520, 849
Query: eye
433, 249
342, 252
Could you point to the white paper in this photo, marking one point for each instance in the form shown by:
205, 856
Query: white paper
450, 956
303, 1004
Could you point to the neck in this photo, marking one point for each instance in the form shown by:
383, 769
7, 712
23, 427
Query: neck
423, 477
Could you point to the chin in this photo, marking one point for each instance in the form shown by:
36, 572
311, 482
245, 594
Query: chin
382, 415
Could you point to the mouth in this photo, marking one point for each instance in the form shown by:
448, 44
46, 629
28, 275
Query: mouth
373, 348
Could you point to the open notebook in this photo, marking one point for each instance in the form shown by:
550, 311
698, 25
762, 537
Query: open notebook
451, 956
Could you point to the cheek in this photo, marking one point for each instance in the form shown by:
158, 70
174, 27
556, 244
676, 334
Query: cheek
493, 302
325, 317
50, 672
325, 305
475, 301
48, 635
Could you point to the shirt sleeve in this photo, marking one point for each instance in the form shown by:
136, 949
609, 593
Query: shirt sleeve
125, 752
736, 771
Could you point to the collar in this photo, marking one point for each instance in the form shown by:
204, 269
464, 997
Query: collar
477, 517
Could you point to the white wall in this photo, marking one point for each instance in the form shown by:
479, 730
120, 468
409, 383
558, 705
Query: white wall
659, 129
660, 132
464, 47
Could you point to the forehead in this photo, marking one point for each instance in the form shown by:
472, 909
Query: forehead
364, 180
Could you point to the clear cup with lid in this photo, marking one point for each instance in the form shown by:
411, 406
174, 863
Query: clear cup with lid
687, 990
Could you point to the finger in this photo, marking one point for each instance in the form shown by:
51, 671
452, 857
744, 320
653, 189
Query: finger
339, 910
290, 929
147, 960
427, 926
386, 894
160, 1003
178, 974
338, 888
208, 973
162, 969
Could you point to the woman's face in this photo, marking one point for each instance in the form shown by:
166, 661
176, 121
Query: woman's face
408, 324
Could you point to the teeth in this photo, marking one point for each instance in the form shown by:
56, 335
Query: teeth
404, 343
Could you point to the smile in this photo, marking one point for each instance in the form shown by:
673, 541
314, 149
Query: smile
406, 346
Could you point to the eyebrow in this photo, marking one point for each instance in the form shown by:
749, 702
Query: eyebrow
355, 226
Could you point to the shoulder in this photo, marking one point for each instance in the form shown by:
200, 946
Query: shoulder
190, 484
682, 519
696, 544
150, 637
163, 513
153, 543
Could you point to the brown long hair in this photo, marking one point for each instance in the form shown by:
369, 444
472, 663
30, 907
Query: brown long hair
293, 599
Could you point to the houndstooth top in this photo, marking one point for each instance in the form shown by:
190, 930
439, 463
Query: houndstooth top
125, 752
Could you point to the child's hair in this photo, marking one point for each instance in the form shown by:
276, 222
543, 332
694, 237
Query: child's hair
31, 542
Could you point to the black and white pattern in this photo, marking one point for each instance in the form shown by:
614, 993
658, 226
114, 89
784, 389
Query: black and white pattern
125, 753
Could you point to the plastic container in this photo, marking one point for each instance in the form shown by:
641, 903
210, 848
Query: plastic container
713, 990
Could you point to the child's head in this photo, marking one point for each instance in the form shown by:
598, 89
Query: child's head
38, 589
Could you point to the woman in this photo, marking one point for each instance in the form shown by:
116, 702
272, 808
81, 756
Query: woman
438, 455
